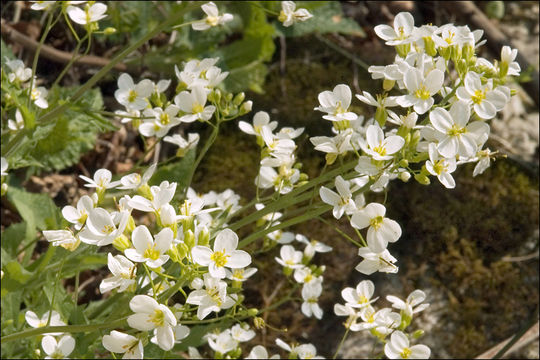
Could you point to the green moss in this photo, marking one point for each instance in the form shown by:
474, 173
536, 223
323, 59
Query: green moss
462, 236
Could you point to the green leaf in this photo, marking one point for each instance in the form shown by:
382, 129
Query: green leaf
328, 18
6, 53
38, 210
250, 76
60, 144
177, 171
16, 272
16, 235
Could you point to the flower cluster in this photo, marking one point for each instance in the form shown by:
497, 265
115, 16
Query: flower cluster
277, 152
361, 315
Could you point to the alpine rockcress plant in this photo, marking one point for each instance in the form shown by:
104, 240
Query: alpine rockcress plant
431, 116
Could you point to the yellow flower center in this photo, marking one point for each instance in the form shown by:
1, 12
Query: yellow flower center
478, 96
422, 93
376, 222
339, 109
450, 39
238, 274
213, 292
220, 258
132, 96
151, 253
381, 150
35, 94
405, 353
363, 300
164, 118
455, 131
197, 108
158, 318
282, 16
212, 20
308, 278
439, 167
107, 229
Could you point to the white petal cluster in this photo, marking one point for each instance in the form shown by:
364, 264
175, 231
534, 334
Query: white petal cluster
212, 18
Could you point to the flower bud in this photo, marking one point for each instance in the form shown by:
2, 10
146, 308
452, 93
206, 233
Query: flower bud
404, 176
239, 98
121, 243
418, 334
130, 225
182, 250
174, 254
303, 177
403, 163
228, 97
445, 52
253, 312
429, 46
461, 67
330, 158
388, 84
204, 237
189, 239
245, 108
145, 192
422, 179
109, 31
287, 271
468, 52
381, 115
259, 323
455, 53
197, 283
215, 96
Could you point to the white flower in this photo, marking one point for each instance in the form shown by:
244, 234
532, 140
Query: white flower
60, 349
212, 19
78, 215
41, 5
193, 105
421, 89
101, 181
224, 254
281, 237
381, 230
38, 95
148, 250
486, 102
372, 262
333, 146
63, 238
212, 299
132, 96
90, 14
149, 315
161, 195
441, 167
135, 181
379, 147
289, 257
240, 274
18, 123
361, 296
383, 321
129, 345
289, 16
34, 321
242, 333
342, 200
508, 55
411, 305
162, 122
223, 342
124, 273
307, 351
102, 227
336, 104
19, 72
260, 119
401, 33
260, 352
381, 102
183, 145
408, 121
351, 313
398, 348
312, 246
128, 115
310, 294
456, 137
304, 275
484, 158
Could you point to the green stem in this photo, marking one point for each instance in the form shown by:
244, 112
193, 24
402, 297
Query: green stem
63, 329
48, 27
289, 199
74, 58
341, 343
338, 230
